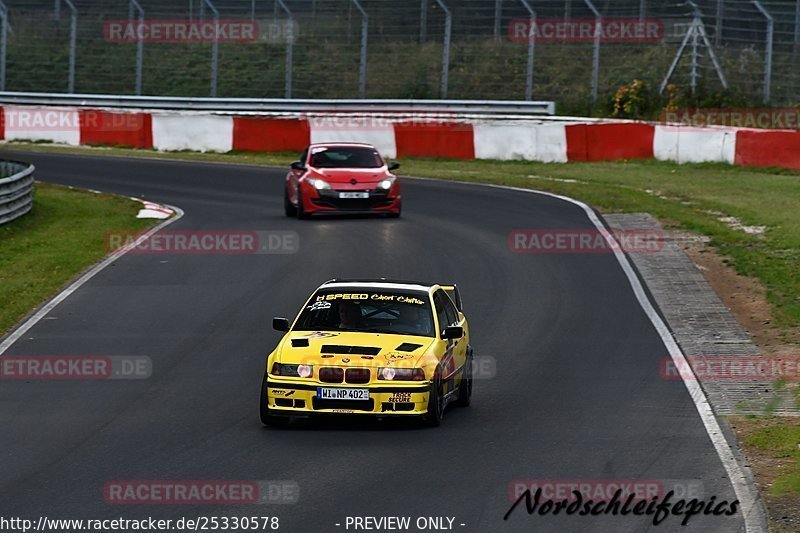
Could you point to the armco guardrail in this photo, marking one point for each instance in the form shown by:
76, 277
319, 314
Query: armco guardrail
280, 105
16, 190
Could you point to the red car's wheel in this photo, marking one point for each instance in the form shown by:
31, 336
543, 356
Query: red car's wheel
301, 212
288, 207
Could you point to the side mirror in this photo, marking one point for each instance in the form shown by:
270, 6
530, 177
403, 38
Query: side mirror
280, 324
394, 165
452, 332
298, 165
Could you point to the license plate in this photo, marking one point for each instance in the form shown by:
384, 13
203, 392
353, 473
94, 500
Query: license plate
353, 195
328, 393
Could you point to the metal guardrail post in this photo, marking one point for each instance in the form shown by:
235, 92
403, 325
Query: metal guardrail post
134, 4
16, 190
3, 44
289, 48
214, 47
531, 50
768, 50
362, 68
448, 28
598, 29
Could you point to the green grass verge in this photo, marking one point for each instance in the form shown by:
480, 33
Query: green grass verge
692, 197
780, 441
62, 236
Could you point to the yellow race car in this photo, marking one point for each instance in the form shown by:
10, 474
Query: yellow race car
370, 347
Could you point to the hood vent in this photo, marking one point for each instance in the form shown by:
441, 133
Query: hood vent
299, 343
408, 347
353, 350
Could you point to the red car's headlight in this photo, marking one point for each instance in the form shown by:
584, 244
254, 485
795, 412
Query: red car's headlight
386, 184
319, 184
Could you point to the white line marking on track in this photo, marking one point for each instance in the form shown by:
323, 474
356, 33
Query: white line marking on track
75, 285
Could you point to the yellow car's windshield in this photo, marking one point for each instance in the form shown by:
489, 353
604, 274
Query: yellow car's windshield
397, 312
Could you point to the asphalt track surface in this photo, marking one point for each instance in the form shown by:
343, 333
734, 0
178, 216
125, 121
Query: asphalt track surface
577, 393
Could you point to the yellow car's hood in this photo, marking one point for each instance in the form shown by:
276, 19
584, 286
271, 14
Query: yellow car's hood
352, 348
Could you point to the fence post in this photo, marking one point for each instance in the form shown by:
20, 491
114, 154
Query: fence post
423, 20
796, 25
73, 31
695, 63
289, 48
362, 68
531, 48
498, 15
3, 41
642, 10
768, 51
214, 47
598, 29
448, 28
718, 29
134, 4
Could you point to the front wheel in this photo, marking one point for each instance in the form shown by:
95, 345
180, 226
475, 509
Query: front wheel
301, 212
435, 404
465, 386
288, 207
266, 418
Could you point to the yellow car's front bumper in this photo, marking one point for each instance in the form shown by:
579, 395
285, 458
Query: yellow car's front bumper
299, 398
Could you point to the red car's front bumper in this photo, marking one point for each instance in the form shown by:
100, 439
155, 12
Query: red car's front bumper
329, 201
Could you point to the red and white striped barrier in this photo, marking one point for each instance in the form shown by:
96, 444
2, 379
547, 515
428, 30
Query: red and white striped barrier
547, 141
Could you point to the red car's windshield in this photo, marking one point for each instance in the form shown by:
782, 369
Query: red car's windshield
345, 157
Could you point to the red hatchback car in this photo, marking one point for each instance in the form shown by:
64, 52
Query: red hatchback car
342, 178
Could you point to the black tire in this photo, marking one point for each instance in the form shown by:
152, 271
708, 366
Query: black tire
288, 207
435, 404
267, 418
301, 213
465, 386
